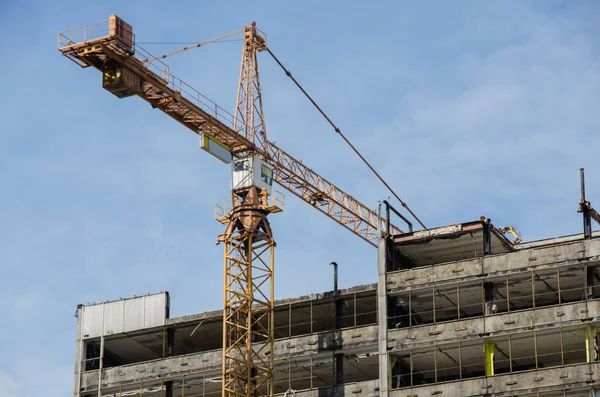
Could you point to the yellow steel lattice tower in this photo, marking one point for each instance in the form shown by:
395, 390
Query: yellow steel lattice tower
249, 249
248, 311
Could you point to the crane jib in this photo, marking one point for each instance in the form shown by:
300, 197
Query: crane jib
129, 70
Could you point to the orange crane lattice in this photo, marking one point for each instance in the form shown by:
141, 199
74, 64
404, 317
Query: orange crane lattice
129, 70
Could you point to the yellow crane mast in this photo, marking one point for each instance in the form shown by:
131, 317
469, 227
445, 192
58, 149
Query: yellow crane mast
239, 139
248, 327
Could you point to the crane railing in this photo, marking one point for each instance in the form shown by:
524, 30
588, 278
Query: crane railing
99, 32
160, 68
153, 82
84, 34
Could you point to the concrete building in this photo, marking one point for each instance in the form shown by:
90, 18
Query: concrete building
456, 311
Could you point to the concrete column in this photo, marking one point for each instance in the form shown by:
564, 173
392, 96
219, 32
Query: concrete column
487, 238
169, 389
170, 341
338, 358
490, 347
393, 313
488, 294
382, 320
79, 351
101, 352
338, 313
339, 369
589, 282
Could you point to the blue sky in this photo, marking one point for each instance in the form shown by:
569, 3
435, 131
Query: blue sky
467, 108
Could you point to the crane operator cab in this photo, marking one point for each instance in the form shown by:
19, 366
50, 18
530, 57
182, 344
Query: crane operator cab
120, 81
251, 171
248, 172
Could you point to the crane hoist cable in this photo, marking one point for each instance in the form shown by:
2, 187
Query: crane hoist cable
193, 46
289, 74
183, 42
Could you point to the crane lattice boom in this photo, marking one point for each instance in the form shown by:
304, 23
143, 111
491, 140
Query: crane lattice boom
150, 79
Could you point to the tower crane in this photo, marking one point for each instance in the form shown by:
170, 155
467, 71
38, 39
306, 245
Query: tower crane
239, 139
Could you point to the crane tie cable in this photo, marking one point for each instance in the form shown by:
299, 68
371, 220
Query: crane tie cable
336, 129
192, 47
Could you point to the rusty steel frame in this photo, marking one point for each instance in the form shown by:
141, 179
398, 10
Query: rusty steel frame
193, 110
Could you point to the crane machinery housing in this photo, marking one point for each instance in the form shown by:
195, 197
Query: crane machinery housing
446, 316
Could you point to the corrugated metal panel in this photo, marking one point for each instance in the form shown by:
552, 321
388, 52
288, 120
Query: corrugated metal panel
155, 306
113, 318
134, 314
92, 321
124, 315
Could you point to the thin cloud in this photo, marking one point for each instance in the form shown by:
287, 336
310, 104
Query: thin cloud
8, 386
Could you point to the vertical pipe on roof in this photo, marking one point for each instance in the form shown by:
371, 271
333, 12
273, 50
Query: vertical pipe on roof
584, 208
